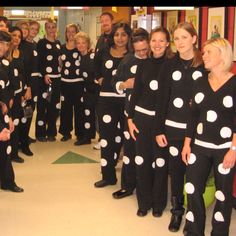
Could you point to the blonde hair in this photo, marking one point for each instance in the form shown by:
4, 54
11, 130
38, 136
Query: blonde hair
22, 22
85, 36
225, 48
71, 26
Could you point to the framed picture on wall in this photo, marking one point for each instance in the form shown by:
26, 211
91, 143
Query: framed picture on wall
156, 19
234, 45
172, 21
216, 22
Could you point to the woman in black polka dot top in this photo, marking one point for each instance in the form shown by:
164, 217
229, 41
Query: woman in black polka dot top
180, 74
49, 52
110, 104
211, 130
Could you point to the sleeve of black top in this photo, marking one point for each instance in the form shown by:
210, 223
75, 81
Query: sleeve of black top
41, 57
98, 64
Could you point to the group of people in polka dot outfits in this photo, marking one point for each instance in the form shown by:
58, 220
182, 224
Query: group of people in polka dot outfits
173, 113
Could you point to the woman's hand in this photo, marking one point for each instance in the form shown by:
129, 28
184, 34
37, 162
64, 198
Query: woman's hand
229, 159
28, 95
132, 128
161, 140
11, 125
47, 79
5, 134
128, 84
186, 151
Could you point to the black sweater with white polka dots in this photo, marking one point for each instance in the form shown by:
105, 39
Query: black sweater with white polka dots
148, 85
179, 77
48, 55
213, 113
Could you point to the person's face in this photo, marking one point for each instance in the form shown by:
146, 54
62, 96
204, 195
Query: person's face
82, 45
211, 57
121, 38
33, 31
106, 23
4, 46
141, 49
158, 44
25, 30
16, 38
184, 41
51, 30
70, 33
3, 26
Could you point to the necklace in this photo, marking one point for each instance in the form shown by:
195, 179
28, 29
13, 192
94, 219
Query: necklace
186, 63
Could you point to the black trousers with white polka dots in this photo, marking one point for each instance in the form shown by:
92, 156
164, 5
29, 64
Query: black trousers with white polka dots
47, 112
128, 172
151, 166
72, 102
196, 176
111, 125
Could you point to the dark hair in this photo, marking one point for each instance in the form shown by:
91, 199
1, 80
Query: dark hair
168, 52
15, 28
139, 34
4, 19
115, 27
107, 14
5, 36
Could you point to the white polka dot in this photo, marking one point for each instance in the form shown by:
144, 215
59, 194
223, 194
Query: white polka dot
106, 118
63, 57
79, 58
59, 69
23, 103
49, 69
109, 64
189, 216
58, 105
103, 143
127, 135
66, 72
16, 73
87, 125
35, 98
211, 116
25, 87
40, 123
176, 75
178, 102
153, 165
85, 74
228, 101
6, 119
199, 97
219, 217
139, 160
118, 125
129, 97
117, 139
67, 64
35, 53
2, 84
62, 98
16, 122
85, 90
75, 55
77, 63
192, 158
8, 82
103, 162
114, 72
23, 120
153, 85
173, 151
196, 74
58, 46
44, 95
8, 149
160, 162
82, 99
133, 69
189, 188
48, 46
115, 156
225, 132
126, 160
219, 195
92, 55
222, 170
87, 112
200, 128
49, 57
77, 71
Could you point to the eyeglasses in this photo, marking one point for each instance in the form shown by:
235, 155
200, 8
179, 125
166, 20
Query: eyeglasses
142, 50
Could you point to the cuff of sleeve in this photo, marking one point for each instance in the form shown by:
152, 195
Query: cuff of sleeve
120, 91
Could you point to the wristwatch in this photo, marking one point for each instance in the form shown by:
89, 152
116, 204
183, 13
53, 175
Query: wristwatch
233, 148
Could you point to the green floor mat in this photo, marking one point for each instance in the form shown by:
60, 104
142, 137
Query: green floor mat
71, 158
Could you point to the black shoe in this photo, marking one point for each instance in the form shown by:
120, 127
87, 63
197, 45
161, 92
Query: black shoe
31, 140
42, 139
121, 193
102, 183
142, 212
82, 141
14, 188
157, 213
51, 139
27, 151
17, 159
65, 138
175, 223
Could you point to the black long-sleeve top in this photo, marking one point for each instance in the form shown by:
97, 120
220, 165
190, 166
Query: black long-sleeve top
126, 69
48, 55
179, 77
148, 86
213, 113
103, 42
